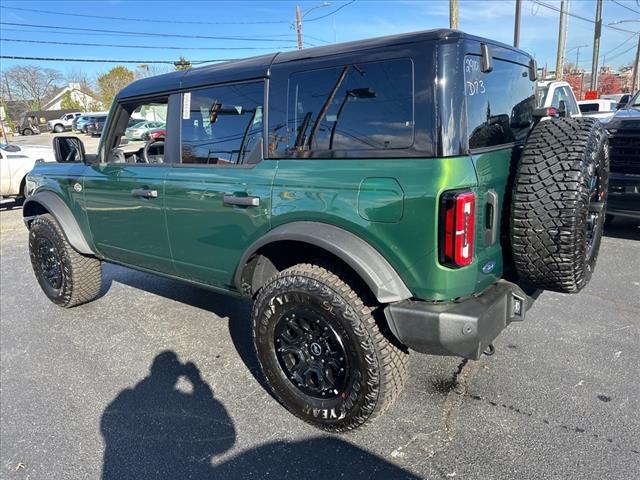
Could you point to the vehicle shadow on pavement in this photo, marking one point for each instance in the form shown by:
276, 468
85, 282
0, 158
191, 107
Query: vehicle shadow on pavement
623, 228
171, 426
237, 310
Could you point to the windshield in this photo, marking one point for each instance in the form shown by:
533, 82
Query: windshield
635, 101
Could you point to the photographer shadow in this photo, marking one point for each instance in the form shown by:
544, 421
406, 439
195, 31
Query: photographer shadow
159, 430
170, 426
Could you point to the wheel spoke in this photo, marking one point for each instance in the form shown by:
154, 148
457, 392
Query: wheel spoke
311, 353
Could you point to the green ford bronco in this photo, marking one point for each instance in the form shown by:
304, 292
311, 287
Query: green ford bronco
370, 198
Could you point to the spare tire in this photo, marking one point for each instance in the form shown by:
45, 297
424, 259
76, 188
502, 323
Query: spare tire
559, 202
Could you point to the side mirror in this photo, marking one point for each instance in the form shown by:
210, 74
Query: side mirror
68, 149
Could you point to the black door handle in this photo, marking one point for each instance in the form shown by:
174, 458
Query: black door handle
244, 201
144, 193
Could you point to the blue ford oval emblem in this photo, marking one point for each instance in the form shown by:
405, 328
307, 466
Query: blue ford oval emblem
487, 267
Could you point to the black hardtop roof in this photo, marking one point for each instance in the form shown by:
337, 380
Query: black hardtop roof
258, 67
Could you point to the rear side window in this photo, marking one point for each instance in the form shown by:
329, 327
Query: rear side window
500, 103
563, 94
588, 107
348, 109
222, 125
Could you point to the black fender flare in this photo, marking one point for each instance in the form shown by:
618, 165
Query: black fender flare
53, 204
365, 260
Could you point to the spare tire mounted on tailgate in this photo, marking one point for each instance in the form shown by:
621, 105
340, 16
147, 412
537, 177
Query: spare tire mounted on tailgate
559, 202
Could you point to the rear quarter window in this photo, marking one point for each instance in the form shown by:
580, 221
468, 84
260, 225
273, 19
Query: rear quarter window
348, 110
499, 103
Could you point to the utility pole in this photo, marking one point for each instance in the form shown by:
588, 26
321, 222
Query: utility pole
635, 79
596, 46
562, 37
516, 27
577, 55
299, 27
453, 14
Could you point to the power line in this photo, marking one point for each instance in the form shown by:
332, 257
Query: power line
47, 42
552, 7
148, 34
330, 13
148, 20
621, 53
22, 30
633, 36
186, 22
624, 6
95, 60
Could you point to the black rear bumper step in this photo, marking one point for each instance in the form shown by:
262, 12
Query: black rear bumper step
463, 328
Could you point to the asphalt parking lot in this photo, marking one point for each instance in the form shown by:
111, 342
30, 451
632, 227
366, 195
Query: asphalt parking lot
96, 390
45, 139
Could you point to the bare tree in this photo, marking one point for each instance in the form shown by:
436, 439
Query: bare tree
30, 84
145, 70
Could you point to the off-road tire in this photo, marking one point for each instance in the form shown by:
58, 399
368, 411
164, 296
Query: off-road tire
378, 367
27, 131
81, 274
552, 205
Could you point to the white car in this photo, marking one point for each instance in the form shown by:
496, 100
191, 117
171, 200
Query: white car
551, 93
15, 163
602, 109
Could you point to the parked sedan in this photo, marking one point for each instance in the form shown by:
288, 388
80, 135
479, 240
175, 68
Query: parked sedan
137, 131
155, 134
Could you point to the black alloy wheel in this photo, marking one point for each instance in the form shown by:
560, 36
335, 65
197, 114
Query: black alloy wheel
49, 261
311, 352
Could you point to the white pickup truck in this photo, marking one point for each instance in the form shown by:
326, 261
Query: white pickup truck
602, 109
559, 95
63, 123
15, 162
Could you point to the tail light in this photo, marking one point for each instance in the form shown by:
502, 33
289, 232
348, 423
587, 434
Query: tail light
457, 217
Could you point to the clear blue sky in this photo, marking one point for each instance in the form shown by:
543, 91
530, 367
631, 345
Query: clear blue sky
359, 19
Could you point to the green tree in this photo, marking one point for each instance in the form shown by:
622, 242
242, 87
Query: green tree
182, 64
110, 83
68, 103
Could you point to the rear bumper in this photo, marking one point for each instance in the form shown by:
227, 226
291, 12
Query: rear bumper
624, 195
463, 328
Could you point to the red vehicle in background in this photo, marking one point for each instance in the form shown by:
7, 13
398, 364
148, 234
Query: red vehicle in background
155, 134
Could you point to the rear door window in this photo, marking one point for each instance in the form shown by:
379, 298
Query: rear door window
500, 103
223, 125
350, 108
